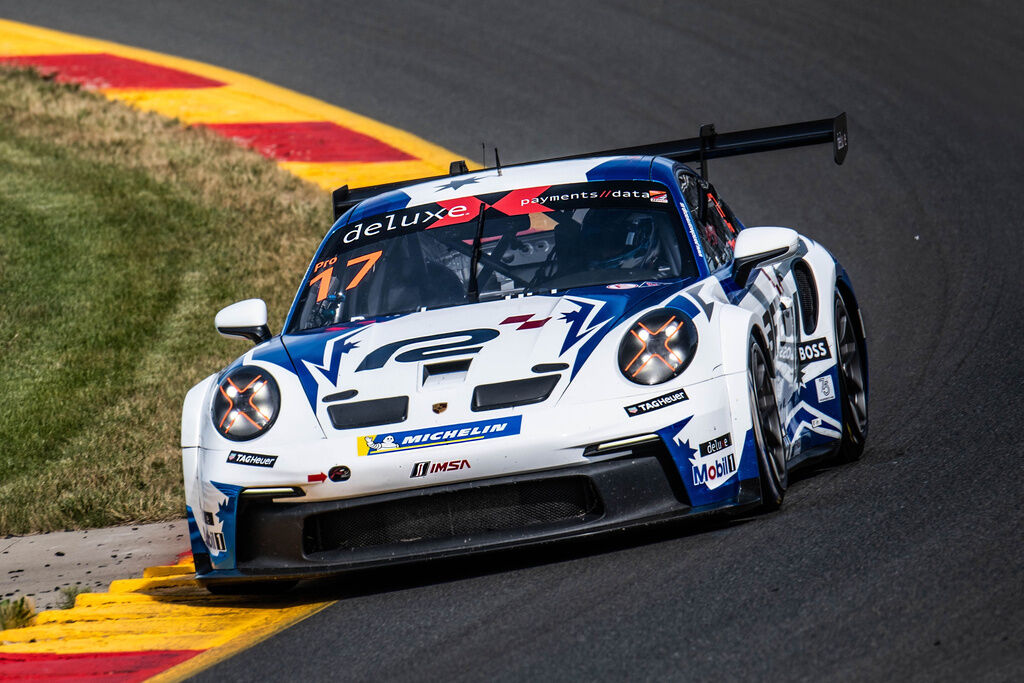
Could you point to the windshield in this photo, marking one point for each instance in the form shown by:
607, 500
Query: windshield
531, 240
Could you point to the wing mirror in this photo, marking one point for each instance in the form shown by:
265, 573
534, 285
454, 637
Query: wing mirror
756, 247
244, 320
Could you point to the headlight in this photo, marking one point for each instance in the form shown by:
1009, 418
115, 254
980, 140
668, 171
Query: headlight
658, 347
246, 403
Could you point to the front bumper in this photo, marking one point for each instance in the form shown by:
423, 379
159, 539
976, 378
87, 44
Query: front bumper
306, 540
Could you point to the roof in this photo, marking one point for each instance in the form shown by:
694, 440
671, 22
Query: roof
507, 179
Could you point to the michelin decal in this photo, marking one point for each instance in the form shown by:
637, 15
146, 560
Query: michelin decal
438, 436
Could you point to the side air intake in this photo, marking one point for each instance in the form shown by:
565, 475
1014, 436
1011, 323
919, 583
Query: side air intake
808, 295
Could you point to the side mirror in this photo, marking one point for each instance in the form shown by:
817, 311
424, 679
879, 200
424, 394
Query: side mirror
756, 247
244, 320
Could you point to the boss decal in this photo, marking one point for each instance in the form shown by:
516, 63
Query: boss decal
251, 459
815, 349
655, 403
438, 436
466, 341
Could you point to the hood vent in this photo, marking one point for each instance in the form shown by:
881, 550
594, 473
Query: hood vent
380, 411
449, 372
519, 392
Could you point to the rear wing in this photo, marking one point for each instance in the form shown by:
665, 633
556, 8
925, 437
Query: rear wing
709, 144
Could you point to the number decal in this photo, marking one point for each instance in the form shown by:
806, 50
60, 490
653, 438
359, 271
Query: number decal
324, 278
368, 262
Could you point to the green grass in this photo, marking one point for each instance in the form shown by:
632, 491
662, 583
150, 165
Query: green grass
121, 235
16, 613
66, 599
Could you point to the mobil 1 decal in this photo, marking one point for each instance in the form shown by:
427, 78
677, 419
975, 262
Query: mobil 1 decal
815, 349
715, 462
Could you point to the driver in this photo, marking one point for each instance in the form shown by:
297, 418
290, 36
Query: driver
619, 239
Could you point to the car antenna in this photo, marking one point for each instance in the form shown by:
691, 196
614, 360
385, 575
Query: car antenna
483, 154
497, 161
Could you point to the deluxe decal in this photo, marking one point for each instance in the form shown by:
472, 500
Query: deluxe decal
815, 349
438, 436
253, 459
719, 443
655, 403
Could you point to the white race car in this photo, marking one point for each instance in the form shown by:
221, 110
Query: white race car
522, 354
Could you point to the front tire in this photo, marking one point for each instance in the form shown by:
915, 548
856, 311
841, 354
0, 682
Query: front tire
852, 384
771, 446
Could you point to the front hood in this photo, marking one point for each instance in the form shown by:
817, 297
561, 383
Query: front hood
439, 356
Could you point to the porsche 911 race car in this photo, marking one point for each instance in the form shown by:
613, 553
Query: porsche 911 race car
517, 355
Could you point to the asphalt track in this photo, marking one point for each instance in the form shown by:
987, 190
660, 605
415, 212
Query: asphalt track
907, 565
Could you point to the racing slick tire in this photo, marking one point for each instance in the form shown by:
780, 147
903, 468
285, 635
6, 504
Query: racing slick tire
771, 447
852, 383
250, 587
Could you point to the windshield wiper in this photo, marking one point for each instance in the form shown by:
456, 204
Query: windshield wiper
473, 289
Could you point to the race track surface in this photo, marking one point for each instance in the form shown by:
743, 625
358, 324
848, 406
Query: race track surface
906, 565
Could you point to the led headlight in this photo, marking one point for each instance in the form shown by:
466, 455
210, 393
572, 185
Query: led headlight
658, 347
246, 403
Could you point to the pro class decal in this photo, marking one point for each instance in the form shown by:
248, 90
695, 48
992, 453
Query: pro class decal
438, 436
655, 403
815, 349
251, 459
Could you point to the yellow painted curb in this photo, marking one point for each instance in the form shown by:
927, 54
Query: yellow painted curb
169, 611
243, 99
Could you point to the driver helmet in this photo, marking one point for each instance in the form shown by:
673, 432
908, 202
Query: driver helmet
618, 238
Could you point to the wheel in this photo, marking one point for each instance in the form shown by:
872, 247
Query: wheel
852, 384
771, 447
250, 587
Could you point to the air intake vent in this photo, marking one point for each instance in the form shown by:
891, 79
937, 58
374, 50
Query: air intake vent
379, 411
519, 392
808, 296
454, 514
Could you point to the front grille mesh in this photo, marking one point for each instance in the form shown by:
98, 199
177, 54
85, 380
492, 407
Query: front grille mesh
453, 514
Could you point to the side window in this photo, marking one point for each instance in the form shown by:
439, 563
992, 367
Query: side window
719, 217
715, 229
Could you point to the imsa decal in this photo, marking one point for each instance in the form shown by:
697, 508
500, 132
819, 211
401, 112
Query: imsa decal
438, 436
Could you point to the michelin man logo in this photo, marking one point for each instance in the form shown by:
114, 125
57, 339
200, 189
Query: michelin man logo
385, 444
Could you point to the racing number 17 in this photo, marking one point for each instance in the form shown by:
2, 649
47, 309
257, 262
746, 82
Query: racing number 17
323, 279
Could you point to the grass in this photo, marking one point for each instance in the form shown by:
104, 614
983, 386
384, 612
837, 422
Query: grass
16, 613
66, 599
121, 234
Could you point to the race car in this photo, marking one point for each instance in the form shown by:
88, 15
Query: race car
523, 354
